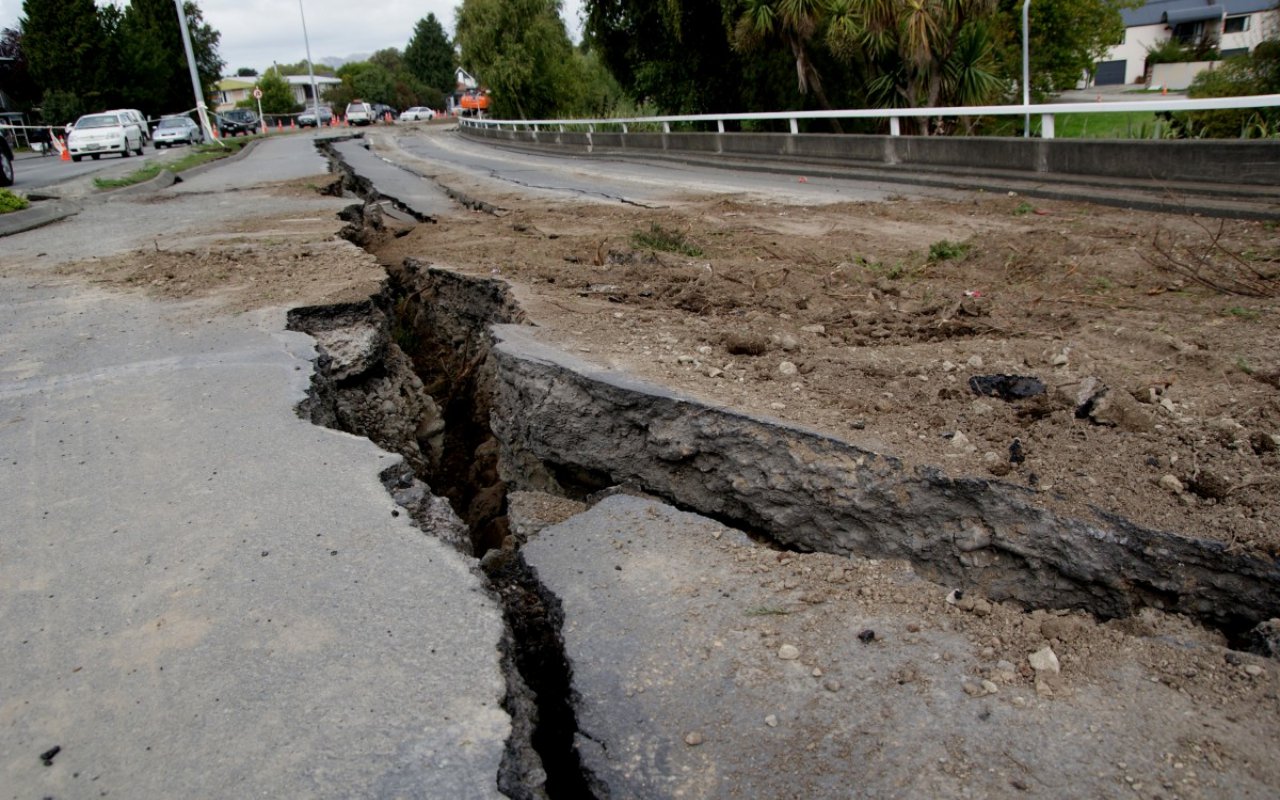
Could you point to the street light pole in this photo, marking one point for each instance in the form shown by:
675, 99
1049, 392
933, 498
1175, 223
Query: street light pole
315, 95
1026, 67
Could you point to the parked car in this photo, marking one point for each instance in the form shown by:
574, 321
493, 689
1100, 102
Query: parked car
417, 113
177, 130
359, 113
95, 134
6, 163
237, 121
138, 118
307, 119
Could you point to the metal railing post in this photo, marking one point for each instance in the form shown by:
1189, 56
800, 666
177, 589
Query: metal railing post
795, 126
1046, 126
895, 126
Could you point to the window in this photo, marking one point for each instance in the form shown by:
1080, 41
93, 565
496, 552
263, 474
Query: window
1236, 24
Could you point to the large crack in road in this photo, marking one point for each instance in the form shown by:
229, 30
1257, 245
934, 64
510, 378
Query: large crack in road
441, 369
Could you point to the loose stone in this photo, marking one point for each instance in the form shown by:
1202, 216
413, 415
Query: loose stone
771, 721
693, 739
788, 652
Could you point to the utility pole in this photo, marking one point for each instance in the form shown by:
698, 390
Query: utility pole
202, 110
311, 73
1026, 67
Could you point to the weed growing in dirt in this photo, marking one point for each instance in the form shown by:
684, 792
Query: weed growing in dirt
1023, 209
666, 240
1243, 313
11, 202
1244, 366
882, 269
944, 250
767, 611
1101, 285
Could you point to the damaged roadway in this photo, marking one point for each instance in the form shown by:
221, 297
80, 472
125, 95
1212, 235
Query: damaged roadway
704, 664
204, 595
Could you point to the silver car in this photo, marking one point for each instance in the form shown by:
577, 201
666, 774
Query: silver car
176, 130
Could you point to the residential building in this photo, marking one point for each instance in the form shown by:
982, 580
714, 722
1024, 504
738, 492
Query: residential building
1236, 26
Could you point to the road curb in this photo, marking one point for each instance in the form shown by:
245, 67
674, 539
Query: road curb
37, 216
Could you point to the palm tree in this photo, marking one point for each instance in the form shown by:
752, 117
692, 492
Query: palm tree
795, 22
923, 53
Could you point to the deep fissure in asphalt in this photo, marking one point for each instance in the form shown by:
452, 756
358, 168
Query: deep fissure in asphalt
439, 322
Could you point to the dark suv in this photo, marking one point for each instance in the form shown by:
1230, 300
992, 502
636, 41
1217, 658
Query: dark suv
236, 122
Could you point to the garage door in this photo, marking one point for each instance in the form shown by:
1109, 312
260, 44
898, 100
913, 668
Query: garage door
1110, 73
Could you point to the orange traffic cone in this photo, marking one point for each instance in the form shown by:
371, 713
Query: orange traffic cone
66, 154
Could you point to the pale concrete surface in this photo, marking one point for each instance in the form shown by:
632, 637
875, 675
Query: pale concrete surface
202, 595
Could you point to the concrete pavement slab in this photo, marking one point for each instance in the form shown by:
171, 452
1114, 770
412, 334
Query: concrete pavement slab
202, 595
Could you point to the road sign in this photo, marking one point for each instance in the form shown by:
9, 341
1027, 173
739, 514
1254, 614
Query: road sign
257, 93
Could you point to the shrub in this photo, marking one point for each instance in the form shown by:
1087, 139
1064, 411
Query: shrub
12, 202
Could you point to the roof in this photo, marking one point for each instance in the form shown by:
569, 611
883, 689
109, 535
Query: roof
305, 80
231, 84
1159, 12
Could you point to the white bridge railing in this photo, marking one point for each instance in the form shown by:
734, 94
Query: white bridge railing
1045, 111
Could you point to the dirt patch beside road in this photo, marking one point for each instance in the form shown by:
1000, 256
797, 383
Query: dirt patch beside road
868, 321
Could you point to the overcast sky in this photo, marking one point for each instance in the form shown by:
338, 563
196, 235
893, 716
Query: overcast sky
257, 32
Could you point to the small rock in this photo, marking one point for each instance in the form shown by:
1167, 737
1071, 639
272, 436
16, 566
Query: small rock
989, 687
1045, 660
771, 720
954, 597
1253, 670
745, 344
1019, 701
995, 463
787, 368
1211, 485
1171, 483
788, 342
974, 361
819, 329
817, 672
981, 408
831, 685
867, 636
788, 652
1060, 359
981, 607
947, 366
714, 372
961, 442
693, 739
1060, 628
972, 689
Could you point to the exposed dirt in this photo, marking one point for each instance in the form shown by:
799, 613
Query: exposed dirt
868, 321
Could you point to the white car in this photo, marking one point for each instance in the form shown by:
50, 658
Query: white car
417, 113
95, 134
135, 115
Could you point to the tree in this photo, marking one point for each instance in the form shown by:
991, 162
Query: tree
920, 53
15, 73
300, 68
795, 23
157, 78
277, 95
429, 55
63, 44
520, 50
246, 72
1068, 39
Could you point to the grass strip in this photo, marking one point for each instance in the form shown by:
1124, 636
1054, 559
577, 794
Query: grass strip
201, 155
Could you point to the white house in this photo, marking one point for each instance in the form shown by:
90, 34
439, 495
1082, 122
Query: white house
301, 86
1236, 25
